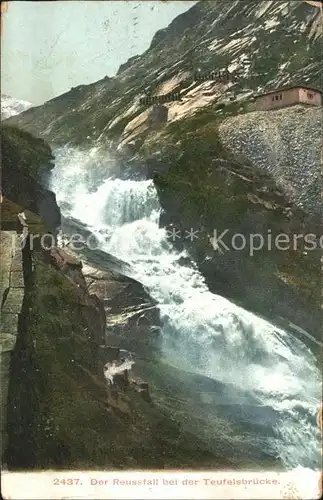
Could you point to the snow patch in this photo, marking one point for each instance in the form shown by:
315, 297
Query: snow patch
11, 106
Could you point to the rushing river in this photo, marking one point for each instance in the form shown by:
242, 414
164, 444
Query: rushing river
201, 332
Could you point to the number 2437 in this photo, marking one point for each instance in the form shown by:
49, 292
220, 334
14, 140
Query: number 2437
66, 482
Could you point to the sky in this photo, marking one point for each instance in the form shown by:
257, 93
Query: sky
49, 47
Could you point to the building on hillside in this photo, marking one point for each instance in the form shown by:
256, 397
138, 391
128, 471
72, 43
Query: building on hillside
288, 96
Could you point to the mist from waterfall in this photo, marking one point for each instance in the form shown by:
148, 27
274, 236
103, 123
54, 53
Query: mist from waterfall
202, 332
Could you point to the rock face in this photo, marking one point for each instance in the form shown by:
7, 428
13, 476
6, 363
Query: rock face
88, 247
25, 160
204, 176
132, 316
62, 410
25, 206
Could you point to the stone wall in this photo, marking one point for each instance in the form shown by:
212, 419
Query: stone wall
12, 295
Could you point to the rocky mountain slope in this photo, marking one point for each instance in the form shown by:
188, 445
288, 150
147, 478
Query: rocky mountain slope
264, 44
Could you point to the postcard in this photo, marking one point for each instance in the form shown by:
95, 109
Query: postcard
161, 249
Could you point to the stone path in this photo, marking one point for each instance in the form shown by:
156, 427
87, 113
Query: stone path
11, 298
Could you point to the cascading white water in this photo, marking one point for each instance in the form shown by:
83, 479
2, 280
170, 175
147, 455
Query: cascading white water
202, 332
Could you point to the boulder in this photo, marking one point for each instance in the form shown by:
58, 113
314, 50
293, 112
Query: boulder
127, 303
141, 387
61, 258
68, 265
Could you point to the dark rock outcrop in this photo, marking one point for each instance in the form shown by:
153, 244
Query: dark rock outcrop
87, 246
61, 411
287, 143
25, 161
68, 265
128, 306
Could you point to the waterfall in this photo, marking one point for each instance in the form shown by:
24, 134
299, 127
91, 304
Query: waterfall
202, 332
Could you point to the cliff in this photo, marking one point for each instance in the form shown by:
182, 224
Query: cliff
11, 106
26, 161
68, 327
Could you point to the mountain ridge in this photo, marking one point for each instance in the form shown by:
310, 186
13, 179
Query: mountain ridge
236, 35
